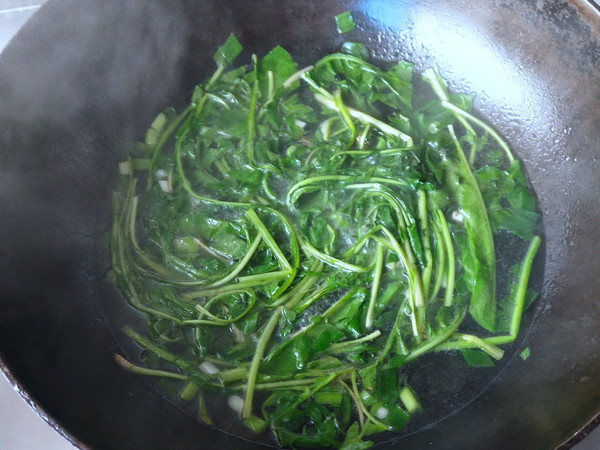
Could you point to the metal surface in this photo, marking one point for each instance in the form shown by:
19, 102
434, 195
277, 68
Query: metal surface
21, 427
84, 79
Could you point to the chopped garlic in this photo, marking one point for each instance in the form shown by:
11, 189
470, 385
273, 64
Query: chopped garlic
382, 412
209, 368
236, 403
458, 216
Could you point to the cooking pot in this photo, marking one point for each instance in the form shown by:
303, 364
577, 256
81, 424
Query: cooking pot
82, 81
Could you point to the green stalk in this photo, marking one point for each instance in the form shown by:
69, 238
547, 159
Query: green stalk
361, 139
218, 100
293, 235
365, 66
490, 349
261, 278
450, 269
271, 87
160, 352
361, 242
409, 400
346, 117
269, 240
364, 409
179, 163
395, 247
379, 260
395, 332
230, 375
372, 152
464, 114
164, 137
334, 262
340, 347
291, 196
341, 302
189, 391
329, 398
145, 371
437, 340
297, 76
275, 385
375, 189
252, 115
261, 346
312, 298
425, 239
412, 245
483, 301
216, 75
360, 407
366, 119
214, 320
298, 291
413, 272
440, 258
309, 280
317, 387
247, 282
204, 416
521, 293
267, 188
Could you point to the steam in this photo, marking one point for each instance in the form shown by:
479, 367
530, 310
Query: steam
78, 59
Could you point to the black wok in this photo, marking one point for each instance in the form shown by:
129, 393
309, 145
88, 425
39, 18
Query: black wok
84, 79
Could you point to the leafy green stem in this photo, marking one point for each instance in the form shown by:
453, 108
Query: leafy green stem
164, 137
426, 241
432, 343
367, 119
343, 346
347, 118
521, 293
252, 114
379, 260
261, 346
334, 262
462, 113
450, 269
145, 371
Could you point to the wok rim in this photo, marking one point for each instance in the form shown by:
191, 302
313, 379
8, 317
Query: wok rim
583, 7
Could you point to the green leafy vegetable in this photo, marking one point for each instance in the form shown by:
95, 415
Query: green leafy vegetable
477, 358
345, 22
227, 54
303, 234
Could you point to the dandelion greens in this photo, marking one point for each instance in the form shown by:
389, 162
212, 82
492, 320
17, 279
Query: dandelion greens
297, 236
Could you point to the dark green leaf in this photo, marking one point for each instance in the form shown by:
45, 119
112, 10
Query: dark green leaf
397, 418
280, 64
353, 441
357, 49
477, 358
228, 52
288, 357
345, 22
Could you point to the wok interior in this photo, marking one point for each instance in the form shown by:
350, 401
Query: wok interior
84, 80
